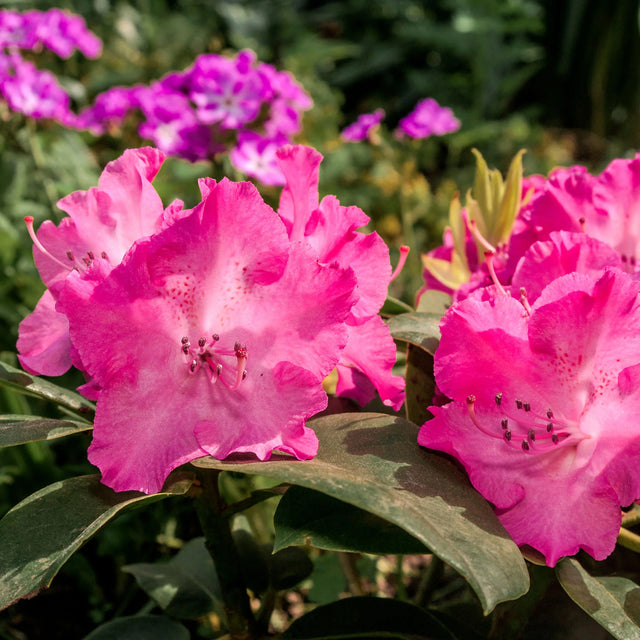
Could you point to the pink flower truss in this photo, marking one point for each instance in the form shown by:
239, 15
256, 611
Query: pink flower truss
363, 126
544, 408
606, 207
330, 230
427, 119
101, 226
206, 341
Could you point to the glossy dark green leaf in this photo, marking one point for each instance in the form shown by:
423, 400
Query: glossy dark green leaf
40, 533
309, 517
365, 617
372, 461
611, 601
186, 586
17, 429
392, 306
32, 385
420, 385
140, 628
254, 561
288, 567
419, 329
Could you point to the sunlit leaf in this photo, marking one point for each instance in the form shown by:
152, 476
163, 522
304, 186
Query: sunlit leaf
186, 586
309, 517
613, 602
420, 329
32, 385
372, 461
16, 429
42, 532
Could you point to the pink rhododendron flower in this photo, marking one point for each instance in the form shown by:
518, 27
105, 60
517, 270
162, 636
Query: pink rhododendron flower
363, 126
204, 340
101, 226
606, 207
427, 119
544, 408
331, 231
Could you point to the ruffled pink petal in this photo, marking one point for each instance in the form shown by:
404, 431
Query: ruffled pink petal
372, 351
563, 253
299, 198
43, 342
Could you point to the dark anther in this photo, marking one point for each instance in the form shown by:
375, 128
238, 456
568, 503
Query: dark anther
202, 342
505, 423
550, 427
507, 435
531, 435
90, 254
86, 261
218, 369
237, 345
527, 406
215, 337
244, 374
498, 399
103, 255
549, 414
519, 404
193, 365
624, 258
554, 438
525, 445
184, 340
70, 255
185, 349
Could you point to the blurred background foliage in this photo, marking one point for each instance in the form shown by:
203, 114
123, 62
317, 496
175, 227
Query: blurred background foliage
560, 79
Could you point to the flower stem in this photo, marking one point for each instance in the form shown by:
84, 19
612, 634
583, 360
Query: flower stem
629, 540
219, 542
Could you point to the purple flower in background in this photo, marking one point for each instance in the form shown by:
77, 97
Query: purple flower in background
55, 29
173, 125
227, 92
255, 155
428, 119
111, 107
34, 92
363, 126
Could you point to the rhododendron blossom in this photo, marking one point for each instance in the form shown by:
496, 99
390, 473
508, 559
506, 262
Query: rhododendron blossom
205, 341
101, 226
544, 406
331, 231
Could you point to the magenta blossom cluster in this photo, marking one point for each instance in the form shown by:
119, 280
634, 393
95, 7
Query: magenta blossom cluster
362, 128
27, 89
540, 363
217, 104
58, 30
428, 118
195, 339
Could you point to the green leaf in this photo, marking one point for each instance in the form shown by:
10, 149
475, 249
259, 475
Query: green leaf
42, 532
19, 380
140, 628
419, 329
420, 385
186, 586
288, 567
372, 461
306, 517
392, 306
17, 429
611, 601
366, 618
